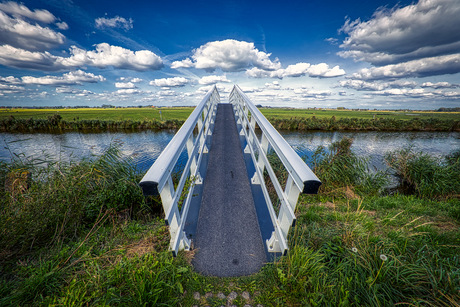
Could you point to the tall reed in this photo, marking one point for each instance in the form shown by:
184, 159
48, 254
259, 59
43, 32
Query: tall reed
45, 203
425, 175
338, 166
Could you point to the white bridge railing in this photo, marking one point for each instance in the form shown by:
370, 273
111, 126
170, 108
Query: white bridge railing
300, 178
159, 180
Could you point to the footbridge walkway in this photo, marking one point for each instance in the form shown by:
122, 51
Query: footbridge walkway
233, 202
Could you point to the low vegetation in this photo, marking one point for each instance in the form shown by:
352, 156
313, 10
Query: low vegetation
83, 234
56, 124
104, 114
94, 120
356, 124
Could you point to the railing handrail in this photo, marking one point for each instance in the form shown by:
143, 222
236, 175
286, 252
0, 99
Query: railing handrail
156, 176
304, 178
300, 178
159, 178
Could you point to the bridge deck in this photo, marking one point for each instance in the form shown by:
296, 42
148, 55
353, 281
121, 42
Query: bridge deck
228, 239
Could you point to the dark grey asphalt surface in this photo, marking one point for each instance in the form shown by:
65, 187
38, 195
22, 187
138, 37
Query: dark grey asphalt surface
228, 241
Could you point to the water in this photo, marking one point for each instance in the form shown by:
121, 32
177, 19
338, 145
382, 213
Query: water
144, 147
374, 145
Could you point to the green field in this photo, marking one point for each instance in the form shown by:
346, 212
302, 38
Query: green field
97, 119
139, 114
181, 113
281, 113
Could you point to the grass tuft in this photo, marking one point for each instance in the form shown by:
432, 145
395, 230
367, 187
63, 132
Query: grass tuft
45, 205
424, 175
341, 170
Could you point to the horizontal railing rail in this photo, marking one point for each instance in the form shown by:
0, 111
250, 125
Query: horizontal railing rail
300, 177
159, 178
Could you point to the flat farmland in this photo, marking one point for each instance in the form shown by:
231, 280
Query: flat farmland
181, 113
284, 113
119, 114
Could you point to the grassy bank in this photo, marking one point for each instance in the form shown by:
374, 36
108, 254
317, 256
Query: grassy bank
55, 124
48, 120
83, 234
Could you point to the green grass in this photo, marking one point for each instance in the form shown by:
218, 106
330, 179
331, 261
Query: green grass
82, 234
29, 120
181, 113
137, 114
281, 113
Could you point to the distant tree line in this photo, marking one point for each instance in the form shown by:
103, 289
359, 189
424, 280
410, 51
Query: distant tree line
448, 110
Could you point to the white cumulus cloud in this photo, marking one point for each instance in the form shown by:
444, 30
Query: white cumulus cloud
275, 85
362, 85
416, 40
70, 78
73, 91
439, 85
62, 25
104, 56
10, 80
220, 87
232, 55
206, 80
107, 55
20, 10
22, 34
20, 58
10, 88
260, 73
321, 70
406, 89
115, 22
169, 82
187, 63
423, 29
124, 85
409, 93
296, 70
440, 65
128, 91
228, 55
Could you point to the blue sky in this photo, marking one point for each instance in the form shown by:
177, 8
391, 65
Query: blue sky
354, 54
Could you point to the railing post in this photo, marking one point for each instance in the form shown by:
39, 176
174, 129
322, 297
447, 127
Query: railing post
158, 180
300, 178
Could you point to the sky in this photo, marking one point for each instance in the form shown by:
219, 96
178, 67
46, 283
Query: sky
302, 54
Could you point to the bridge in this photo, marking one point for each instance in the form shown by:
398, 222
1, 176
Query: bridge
234, 201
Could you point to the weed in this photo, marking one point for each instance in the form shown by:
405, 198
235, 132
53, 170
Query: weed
425, 175
49, 205
338, 167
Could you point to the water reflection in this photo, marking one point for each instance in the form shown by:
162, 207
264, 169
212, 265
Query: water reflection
374, 145
144, 147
